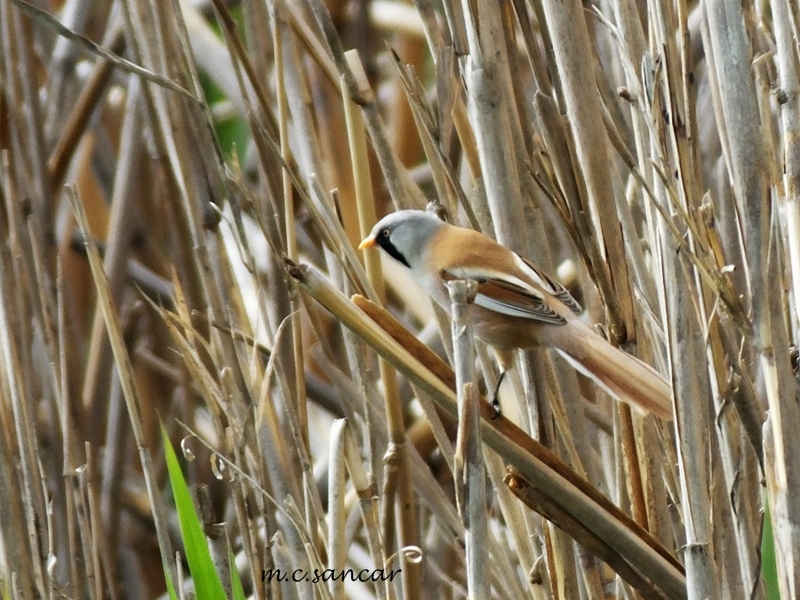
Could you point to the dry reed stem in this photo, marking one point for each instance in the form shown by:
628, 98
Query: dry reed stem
469, 470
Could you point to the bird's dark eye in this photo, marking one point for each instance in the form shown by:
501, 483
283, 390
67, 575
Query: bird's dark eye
384, 240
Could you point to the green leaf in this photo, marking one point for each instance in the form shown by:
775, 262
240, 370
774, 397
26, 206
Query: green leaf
236, 582
207, 583
769, 566
170, 586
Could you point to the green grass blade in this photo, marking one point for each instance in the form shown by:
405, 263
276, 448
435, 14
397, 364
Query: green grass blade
170, 586
236, 582
769, 566
206, 579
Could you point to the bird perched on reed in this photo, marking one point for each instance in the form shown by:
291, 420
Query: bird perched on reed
516, 304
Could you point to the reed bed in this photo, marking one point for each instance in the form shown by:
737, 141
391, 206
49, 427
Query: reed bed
184, 186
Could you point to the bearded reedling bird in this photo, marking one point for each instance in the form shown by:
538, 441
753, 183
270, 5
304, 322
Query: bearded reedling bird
516, 305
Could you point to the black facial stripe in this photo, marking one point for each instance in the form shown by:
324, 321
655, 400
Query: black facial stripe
383, 242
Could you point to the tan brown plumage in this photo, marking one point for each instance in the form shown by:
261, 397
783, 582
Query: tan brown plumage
516, 304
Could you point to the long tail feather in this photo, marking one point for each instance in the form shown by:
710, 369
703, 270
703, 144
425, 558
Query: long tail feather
623, 376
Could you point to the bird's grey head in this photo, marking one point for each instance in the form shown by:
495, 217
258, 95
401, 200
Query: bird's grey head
404, 235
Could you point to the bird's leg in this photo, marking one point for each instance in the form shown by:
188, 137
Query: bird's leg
496, 395
505, 358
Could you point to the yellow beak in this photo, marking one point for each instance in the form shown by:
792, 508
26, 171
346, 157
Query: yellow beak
368, 242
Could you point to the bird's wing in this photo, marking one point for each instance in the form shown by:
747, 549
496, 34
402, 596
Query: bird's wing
507, 295
553, 287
